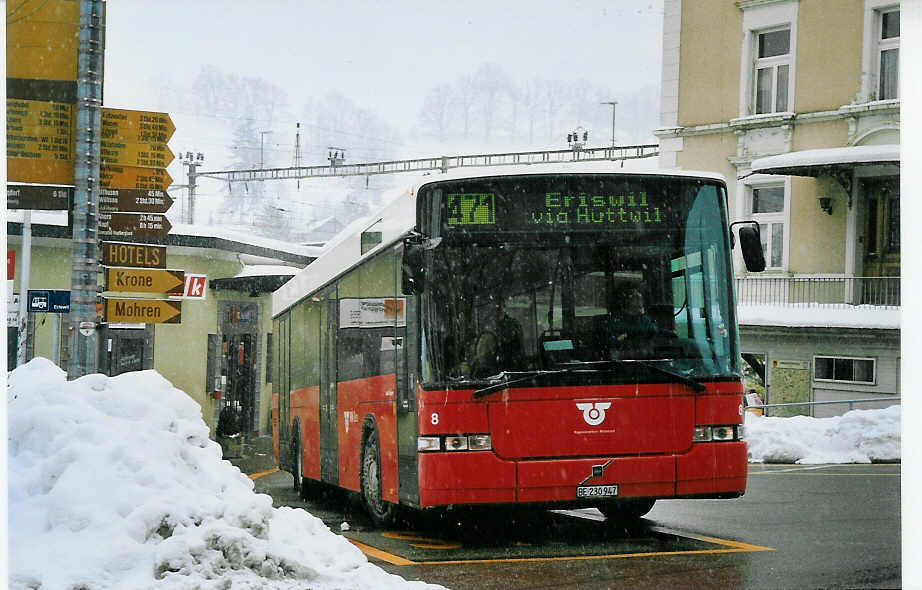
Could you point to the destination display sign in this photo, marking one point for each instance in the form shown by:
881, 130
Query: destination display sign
145, 280
116, 176
39, 141
566, 202
134, 255
134, 200
38, 197
139, 225
151, 155
148, 311
120, 125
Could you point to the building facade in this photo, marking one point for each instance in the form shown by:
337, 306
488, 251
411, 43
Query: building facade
797, 104
220, 351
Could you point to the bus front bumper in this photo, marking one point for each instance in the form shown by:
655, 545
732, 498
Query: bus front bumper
715, 469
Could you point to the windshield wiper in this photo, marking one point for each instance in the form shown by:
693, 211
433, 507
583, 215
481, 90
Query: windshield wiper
695, 385
530, 376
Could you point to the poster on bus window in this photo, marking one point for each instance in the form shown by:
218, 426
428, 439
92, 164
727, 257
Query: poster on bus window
372, 312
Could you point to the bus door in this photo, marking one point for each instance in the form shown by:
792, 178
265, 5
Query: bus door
407, 371
329, 461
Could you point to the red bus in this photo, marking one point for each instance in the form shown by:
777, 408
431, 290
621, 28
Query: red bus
549, 335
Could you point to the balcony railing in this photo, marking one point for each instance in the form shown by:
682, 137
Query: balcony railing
844, 292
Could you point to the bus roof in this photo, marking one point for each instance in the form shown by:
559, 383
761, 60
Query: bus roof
397, 218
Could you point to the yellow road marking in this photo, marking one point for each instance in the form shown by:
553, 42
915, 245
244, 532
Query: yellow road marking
728, 547
255, 476
382, 555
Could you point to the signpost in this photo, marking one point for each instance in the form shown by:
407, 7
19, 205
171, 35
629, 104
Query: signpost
33, 196
111, 176
137, 225
134, 200
149, 311
40, 141
136, 126
155, 155
145, 280
48, 301
134, 255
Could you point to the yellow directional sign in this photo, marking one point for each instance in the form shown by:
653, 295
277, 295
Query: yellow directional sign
113, 176
42, 37
145, 280
39, 141
154, 155
135, 126
149, 311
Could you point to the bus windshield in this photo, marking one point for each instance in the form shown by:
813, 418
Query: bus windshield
548, 272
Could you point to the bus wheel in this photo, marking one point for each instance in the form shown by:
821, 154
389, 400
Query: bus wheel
381, 512
626, 510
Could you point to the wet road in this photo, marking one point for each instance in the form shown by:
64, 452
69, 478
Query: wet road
832, 526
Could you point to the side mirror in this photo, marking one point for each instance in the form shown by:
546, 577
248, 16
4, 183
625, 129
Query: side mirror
413, 269
751, 247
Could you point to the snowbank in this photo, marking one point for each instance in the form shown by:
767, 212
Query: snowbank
859, 436
113, 483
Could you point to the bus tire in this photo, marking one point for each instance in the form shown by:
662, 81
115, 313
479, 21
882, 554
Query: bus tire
381, 512
627, 510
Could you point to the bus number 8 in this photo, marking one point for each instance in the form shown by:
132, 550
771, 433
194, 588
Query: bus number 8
435, 418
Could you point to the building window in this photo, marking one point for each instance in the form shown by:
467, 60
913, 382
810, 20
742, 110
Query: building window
844, 369
772, 71
767, 208
888, 49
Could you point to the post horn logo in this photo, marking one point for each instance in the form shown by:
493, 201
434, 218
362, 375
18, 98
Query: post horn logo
594, 414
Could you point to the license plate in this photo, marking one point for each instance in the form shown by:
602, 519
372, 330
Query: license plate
596, 491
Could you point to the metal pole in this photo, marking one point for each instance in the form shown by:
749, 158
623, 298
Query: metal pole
85, 243
24, 271
191, 185
614, 104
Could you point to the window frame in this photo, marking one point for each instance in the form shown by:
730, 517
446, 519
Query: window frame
765, 17
870, 66
882, 46
846, 358
774, 63
782, 217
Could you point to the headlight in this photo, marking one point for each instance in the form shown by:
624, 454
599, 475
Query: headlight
727, 432
428, 443
455, 442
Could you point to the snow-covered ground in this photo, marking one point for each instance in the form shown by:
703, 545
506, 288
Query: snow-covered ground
114, 483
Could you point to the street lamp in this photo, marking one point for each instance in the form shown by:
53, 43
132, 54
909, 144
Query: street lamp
613, 104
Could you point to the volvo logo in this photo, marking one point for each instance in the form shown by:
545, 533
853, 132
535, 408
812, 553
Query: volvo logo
594, 414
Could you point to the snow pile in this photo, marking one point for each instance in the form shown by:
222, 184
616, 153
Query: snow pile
858, 436
113, 483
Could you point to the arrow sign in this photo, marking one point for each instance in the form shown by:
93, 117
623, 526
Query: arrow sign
33, 196
153, 155
135, 126
139, 225
132, 200
149, 311
145, 280
115, 176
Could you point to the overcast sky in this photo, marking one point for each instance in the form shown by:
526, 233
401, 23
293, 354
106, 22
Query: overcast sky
384, 56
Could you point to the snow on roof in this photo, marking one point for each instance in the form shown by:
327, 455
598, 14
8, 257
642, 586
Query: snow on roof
114, 483
819, 316
266, 270
857, 154
398, 217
